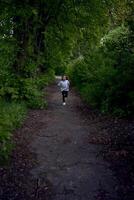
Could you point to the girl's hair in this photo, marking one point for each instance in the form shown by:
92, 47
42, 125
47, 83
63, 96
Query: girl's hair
63, 77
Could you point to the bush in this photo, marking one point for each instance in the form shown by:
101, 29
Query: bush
27, 89
32, 89
11, 116
45, 79
105, 77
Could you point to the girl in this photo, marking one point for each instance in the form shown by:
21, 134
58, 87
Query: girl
64, 87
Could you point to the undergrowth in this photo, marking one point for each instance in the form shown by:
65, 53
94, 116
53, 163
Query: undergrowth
14, 103
12, 115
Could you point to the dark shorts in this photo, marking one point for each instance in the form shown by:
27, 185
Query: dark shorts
65, 93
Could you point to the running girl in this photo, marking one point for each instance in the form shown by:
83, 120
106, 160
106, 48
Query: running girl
64, 87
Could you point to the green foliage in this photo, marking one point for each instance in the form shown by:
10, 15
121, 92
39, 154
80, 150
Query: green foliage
31, 94
105, 77
45, 79
31, 89
40, 38
27, 89
11, 116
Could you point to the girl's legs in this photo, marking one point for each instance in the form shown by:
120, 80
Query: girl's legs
64, 95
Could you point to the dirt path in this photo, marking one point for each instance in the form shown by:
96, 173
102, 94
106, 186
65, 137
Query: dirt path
71, 165
67, 166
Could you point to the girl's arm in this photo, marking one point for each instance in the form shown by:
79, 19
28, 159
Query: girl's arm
59, 84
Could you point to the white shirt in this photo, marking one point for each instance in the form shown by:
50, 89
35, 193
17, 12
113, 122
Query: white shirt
64, 85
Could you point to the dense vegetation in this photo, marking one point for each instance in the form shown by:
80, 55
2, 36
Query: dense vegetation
103, 73
23, 71
90, 40
105, 77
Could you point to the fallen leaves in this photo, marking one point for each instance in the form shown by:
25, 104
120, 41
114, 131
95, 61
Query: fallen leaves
99, 140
